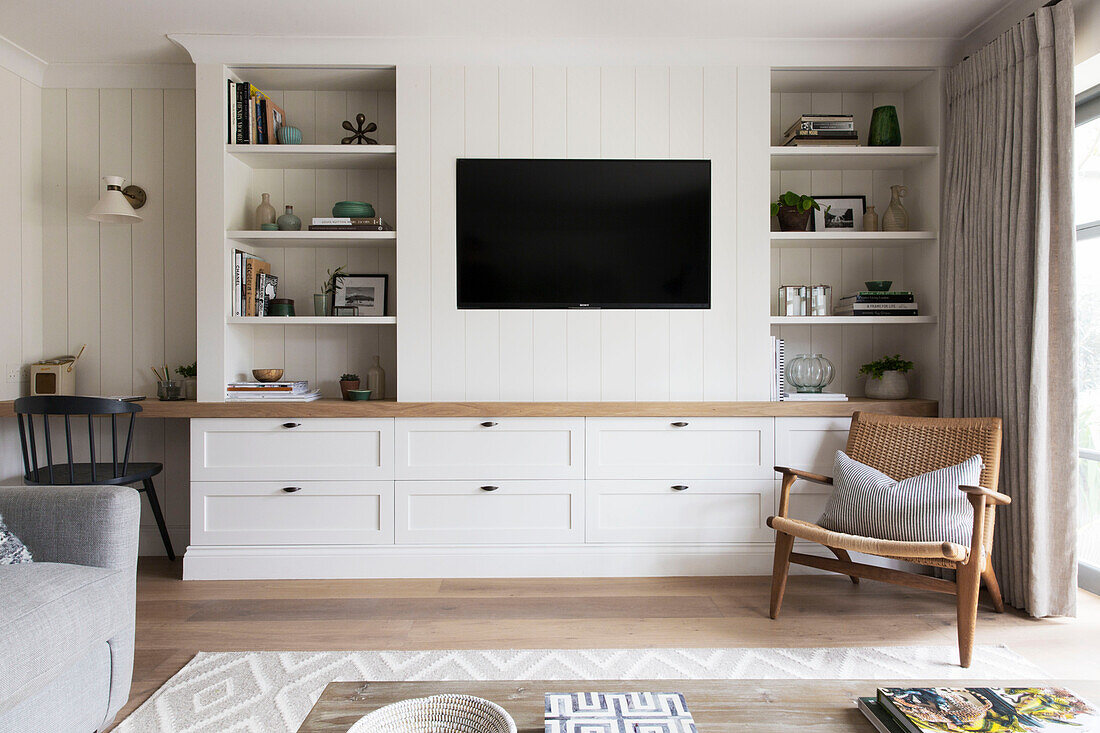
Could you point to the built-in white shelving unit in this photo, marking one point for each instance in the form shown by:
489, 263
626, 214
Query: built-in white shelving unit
315, 157
849, 239
313, 239
312, 320
846, 260
311, 177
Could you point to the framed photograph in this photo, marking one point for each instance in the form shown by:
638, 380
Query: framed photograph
839, 213
367, 293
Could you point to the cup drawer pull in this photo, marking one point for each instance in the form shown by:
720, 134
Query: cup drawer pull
679, 424
291, 489
289, 425
679, 487
488, 424
489, 488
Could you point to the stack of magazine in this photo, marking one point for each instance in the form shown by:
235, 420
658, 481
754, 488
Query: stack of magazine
271, 391
992, 709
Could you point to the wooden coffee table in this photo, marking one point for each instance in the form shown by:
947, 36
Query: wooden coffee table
718, 706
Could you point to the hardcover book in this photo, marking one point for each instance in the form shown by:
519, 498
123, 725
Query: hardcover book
989, 709
618, 712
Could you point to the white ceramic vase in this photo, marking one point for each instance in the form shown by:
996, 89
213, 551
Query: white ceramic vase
891, 386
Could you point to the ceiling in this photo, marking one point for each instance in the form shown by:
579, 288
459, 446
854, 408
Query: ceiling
125, 31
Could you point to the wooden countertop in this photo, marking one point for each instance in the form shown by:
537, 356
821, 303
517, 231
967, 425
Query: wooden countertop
386, 408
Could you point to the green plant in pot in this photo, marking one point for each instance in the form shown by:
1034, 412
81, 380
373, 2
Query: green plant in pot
323, 301
793, 211
189, 373
886, 378
348, 382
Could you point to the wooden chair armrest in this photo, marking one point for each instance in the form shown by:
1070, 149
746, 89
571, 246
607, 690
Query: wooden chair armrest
789, 476
806, 475
993, 497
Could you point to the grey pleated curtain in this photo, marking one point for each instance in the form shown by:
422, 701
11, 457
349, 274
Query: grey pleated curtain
1007, 295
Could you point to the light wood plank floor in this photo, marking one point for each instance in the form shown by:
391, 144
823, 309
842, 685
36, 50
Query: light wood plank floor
176, 619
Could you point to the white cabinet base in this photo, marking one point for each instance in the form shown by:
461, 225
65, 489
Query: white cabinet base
474, 561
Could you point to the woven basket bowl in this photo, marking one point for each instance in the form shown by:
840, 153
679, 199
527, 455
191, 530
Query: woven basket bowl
438, 714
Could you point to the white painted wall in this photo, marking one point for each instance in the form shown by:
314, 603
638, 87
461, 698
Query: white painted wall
127, 291
21, 296
447, 112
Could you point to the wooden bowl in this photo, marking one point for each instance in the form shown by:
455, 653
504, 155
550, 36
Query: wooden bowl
267, 375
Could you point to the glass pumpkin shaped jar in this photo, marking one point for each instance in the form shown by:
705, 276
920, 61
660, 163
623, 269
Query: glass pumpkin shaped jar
810, 373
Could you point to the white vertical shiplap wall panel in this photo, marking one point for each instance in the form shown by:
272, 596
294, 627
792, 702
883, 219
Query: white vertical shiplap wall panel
115, 256
720, 145
55, 228
482, 127
83, 184
589, 112
448, 139
11, 233
30, 141
414, 334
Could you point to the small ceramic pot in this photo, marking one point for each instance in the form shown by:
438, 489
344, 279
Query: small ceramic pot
347, 386
891, 386
289, 222
289, 135
885, 130
793, 220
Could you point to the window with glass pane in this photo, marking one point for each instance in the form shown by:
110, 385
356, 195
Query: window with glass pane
1087, 219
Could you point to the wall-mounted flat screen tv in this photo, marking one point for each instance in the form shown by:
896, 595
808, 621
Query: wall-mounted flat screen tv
583, 233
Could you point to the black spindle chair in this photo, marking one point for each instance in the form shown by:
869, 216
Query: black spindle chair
120, 471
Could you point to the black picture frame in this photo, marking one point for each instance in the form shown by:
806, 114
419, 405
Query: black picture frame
362, 290
858, 208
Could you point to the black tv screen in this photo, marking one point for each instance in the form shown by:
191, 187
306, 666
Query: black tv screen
583, 233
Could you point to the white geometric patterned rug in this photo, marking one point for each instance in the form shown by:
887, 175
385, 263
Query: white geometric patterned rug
274, 691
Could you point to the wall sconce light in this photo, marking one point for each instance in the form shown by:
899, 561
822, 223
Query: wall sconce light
116, 205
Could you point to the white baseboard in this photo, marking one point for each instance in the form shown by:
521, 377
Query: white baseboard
464, 561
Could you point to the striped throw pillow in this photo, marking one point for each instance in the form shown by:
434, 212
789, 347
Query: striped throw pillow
924, 508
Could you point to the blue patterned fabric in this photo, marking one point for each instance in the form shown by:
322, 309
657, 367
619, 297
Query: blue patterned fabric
12, 551
924, 508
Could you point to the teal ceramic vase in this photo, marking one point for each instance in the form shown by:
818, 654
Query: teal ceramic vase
288, 222
885, 129
290, 135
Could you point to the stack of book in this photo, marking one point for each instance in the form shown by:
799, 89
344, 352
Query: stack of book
349, 224
877, 303
815, 397
821, 129
253, 119
1017, 709
271, 391
253, 284
579, 712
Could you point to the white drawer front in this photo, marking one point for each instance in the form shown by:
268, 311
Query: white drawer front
700, 448
490, 448
515, 512
654, 511
258, 449
317, 513
809, 443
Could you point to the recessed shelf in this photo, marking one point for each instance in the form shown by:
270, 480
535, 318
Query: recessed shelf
808, 158
312, 239
849, 320
313, 320
849, 239
315, 156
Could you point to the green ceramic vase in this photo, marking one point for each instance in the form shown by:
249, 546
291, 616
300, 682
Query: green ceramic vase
885, 130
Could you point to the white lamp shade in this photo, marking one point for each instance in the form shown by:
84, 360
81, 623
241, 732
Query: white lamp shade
112, 207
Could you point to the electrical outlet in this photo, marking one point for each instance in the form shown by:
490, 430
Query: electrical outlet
15, 373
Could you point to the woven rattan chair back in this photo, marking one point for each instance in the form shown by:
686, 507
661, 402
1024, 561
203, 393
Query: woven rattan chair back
902, 447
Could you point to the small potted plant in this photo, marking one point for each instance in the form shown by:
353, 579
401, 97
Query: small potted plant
348, 382
886, 378
793, 211
323, 301
189, 372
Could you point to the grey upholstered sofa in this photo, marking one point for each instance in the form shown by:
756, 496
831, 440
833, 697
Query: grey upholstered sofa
67, 619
